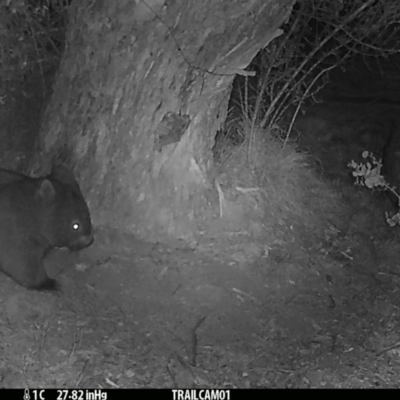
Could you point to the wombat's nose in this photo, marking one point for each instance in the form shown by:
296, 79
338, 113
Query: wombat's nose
82, 242
90, 239
87, 240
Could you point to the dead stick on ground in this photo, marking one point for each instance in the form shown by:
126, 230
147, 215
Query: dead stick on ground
194, 340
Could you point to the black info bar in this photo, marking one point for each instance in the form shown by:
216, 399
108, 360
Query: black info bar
120, 394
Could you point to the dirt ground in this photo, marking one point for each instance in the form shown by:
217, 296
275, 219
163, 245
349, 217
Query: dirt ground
135, 314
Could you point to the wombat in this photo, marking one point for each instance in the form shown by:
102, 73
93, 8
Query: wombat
36, 216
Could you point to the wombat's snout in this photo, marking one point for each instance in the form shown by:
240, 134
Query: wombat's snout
82, 242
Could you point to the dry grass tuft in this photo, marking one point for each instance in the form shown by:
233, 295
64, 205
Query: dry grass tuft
281, 196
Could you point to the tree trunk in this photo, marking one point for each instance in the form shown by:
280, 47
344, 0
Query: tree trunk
141, 92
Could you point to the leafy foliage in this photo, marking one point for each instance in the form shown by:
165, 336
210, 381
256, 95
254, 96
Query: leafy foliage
369, 174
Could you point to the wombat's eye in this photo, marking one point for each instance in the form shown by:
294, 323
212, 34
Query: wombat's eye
75, 226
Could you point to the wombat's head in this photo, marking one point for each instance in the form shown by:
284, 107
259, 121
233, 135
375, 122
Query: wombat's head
66, 221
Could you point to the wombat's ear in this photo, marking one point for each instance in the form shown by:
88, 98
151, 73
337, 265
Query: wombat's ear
46, 191
63, 175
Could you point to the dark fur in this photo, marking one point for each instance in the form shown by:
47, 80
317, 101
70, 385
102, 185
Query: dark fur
37, 215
